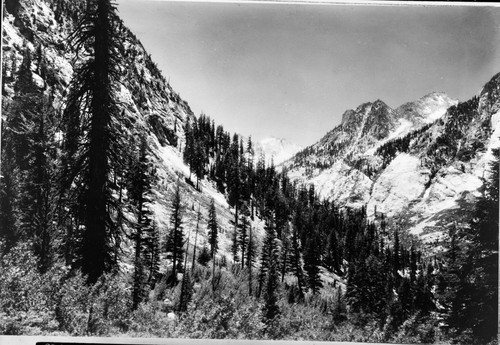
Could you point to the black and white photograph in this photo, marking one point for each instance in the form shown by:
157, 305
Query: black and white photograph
253, 170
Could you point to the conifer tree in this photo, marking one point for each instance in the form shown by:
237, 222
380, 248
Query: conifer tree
198, 218
243, 239
423, 297
296, 263
153, 255
186, 292
145, 236
213, 229
38, 192
405, 296
186, 285
102, 150
250, 261
199, 161
366, 291
28, 153
24, 109
396, 261
189, 151
235, 246
175, 243
269, 248
473, 273
332, 258
250, 173
8, 195
204, 256
286, 257
312, 261
270, 309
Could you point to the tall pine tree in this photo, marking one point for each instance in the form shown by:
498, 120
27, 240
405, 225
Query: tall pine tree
312, 262
474, 303
213, 229
146, 235
92, 100
175, 242
268, 254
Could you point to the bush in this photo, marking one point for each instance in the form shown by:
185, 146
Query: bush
301, 321
227, 312
150, 321
100, 309
26, 296
72, 308
417, 330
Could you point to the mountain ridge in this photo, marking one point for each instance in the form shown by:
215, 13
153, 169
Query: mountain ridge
395, 161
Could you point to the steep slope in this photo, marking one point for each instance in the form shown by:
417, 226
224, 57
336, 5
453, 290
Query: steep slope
344, 157
421, 165
148, 101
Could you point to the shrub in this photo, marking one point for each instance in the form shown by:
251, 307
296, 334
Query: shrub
150, 321
227, 312
26, 296
417, 330
100, 309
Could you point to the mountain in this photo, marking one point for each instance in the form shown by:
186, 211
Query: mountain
358, 163
148, 101
279, 150
421, 165
149, 164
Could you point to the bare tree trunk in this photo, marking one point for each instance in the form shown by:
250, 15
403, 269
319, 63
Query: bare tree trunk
196, 238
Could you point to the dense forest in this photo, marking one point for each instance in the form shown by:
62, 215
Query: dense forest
80, 249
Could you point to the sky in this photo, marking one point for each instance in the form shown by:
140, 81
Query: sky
291, 71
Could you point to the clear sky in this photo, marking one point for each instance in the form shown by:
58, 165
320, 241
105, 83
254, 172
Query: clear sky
290, 71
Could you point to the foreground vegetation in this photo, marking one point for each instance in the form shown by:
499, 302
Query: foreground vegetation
60, 303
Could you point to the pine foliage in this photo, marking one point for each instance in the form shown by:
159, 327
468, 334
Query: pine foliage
175, 241
95, 145
213, 229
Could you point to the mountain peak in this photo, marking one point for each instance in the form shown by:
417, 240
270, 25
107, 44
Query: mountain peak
492, 86
366, 116
427, 108
277, 149
379, 103
490, 95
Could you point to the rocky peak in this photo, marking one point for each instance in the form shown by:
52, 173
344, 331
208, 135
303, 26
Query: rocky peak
379, 121
379, 104
372, 119
489, 96
426, 109
356, 119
